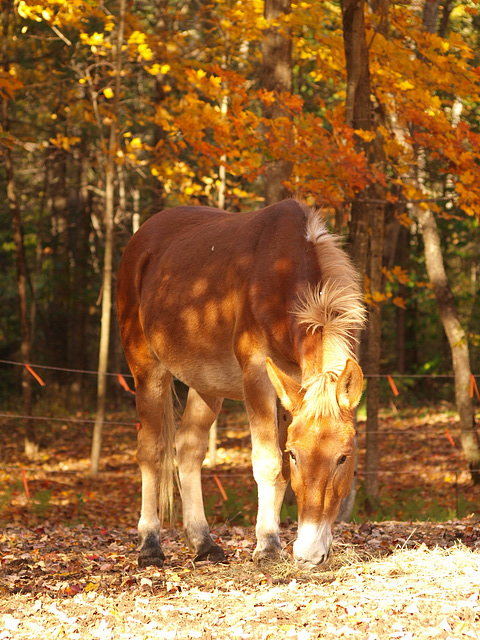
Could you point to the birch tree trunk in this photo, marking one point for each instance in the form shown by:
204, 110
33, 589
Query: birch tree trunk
108, 256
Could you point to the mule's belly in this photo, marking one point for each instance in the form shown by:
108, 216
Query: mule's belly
221, 380
209, 372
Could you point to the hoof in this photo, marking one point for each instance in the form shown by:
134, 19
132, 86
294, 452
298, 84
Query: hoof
150, 553
151, 560
268, 555
214, 554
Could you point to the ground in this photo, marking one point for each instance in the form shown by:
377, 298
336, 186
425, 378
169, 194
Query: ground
69, 560
389, 580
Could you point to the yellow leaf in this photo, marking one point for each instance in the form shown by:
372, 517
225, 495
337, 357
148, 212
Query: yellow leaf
377, 296
365, 135
136, 37
405, 85
215, 81
400, 274
145, 51
95, 39
108, 92
399, 302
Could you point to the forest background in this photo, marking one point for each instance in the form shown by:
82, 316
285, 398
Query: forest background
112, 111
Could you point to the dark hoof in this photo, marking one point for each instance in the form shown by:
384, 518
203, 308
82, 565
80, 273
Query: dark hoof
268, 556
213, 553
150, 553
151, 561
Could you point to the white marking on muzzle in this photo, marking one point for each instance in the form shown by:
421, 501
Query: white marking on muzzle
312, 545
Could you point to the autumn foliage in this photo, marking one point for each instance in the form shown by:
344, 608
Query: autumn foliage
196, 69
189, 120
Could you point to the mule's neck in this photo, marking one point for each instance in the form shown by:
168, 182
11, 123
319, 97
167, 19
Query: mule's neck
321, 351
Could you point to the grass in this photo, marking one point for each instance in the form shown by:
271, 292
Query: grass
410, 505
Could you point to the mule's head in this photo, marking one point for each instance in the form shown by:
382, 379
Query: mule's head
320, 444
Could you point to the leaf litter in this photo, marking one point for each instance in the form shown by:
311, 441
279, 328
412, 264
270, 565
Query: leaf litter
63, 577
386, 580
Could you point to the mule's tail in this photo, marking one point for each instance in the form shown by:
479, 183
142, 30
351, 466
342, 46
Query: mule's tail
167, 462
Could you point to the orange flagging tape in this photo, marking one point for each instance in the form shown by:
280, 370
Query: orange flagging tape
124, 384
449, 438
393, 385
219, 485
473, 385
35, 375
25, 484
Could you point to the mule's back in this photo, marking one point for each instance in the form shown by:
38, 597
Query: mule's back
205, 287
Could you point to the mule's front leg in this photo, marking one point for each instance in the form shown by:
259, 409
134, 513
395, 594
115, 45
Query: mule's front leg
267, 464
191, 441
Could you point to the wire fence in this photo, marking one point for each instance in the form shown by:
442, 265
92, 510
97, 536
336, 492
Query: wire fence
438, 432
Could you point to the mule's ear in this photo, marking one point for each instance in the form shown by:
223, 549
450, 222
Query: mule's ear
350, 385
288, 390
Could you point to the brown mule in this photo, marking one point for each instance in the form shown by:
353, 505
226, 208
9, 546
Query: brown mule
246, 306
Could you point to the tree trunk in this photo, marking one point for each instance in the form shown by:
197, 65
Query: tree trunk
367, 216
455, 333
373, 355
59, 309
159, 95
277, 77
30, 441
431, 10
108, 256
401, 313
81, 251
456, 338
358, 115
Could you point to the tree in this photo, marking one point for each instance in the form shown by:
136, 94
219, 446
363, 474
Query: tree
357, 121
31, 444
365, 239
454, 331
277, 78
111, 154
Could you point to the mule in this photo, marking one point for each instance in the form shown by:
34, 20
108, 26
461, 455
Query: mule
249, 306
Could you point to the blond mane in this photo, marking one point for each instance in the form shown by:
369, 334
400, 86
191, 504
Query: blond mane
333, 307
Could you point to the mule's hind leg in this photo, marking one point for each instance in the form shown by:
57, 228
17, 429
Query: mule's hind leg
191, 442
155, 457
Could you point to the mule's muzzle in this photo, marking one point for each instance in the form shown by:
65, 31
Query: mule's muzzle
312, 547
308, 565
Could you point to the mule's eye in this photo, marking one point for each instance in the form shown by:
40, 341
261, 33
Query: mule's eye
292, 456
341, 460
